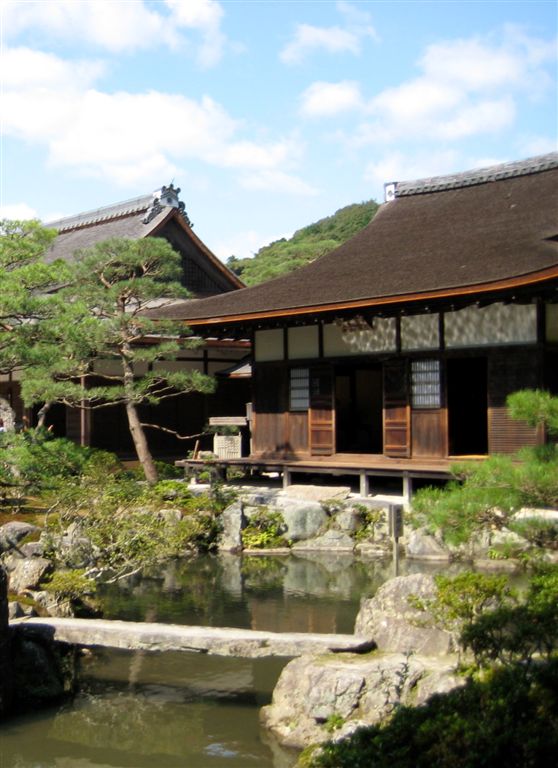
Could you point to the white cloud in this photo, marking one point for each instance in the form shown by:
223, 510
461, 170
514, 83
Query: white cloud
483, 117
244, 244
120, 27
308, 38
132, 138
278, 181
248, 154
321, 99
337, 39
198, 14
357, 19
205, 16
401, 166
537, 145
414, 100
115, 26
465, 88
18, 212
479, 64
25, 68
471, 64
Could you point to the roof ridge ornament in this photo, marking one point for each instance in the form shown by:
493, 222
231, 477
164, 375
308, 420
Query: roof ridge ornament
166, 197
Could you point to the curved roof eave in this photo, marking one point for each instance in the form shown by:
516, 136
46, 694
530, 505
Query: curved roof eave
377, 302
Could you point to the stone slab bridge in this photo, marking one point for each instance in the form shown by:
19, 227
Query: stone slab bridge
217, 641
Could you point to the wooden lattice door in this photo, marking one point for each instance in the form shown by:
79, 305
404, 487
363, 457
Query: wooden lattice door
397, 412
322, 412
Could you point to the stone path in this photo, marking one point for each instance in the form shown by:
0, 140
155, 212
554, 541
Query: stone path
218, 641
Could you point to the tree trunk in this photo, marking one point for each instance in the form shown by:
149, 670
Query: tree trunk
42, 414
140, 444
7, 415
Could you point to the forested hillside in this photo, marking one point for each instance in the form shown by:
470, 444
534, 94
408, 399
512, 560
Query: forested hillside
307, 244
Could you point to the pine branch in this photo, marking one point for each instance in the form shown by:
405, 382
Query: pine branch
173, 432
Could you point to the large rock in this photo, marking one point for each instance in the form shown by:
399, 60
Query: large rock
44, 672
317, 492
330, 540
314, 692
12, 533
423, 546
395, 625
5, 661
233, 521
304, 519
28, 573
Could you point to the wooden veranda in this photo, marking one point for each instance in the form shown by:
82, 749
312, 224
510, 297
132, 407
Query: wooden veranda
367, 467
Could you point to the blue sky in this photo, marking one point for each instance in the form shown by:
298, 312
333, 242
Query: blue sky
268, 115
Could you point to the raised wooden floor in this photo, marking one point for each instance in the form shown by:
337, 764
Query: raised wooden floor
365, 466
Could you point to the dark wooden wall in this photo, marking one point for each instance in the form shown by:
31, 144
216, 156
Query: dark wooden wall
276, 431
419, 433
509, 371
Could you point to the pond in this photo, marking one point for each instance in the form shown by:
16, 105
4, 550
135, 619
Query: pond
167, 710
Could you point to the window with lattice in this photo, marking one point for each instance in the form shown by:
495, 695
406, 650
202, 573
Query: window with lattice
299, 389
426, 388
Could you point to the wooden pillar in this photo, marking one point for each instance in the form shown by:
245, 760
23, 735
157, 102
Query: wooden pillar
286, 477
407, 490
364, 483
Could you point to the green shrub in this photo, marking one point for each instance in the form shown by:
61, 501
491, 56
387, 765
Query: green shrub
265, 531
334, 722
522, 632
537, 531
369, 519
536, 407
461, 599
118, 526
485, 494
36, 461
70, 585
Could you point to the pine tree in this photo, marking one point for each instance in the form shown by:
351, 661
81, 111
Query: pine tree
25, 299
103, 347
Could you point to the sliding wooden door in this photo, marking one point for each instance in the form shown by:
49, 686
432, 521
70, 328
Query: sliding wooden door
397, 421
322, 412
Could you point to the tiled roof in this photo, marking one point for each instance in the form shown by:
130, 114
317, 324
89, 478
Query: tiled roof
106, 213
88, 232
141, 217
477, 176
450, 240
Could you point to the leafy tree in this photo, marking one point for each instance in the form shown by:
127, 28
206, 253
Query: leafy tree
104, 349
25, 279
34, 461
118, 526
536, 407
460, 600
518, 633
307, 244
486, 494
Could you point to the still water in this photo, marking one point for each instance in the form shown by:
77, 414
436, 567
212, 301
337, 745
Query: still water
181, 710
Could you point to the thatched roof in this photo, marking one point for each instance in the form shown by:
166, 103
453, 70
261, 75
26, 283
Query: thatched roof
448, 236
146, 216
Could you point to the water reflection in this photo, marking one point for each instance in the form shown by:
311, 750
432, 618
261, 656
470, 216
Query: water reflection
148, 710
168, 710
303, 593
